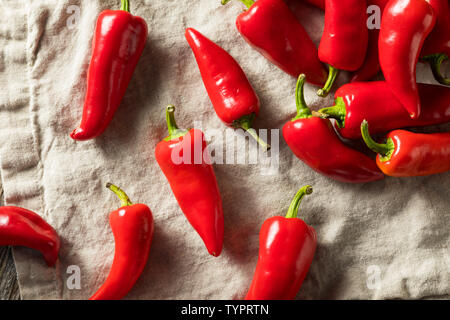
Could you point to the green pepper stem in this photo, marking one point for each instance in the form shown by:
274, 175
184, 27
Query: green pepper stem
435, 61
381, 148
338, 112
332, 76
124, 199
247, 3
174, 131
295, 204
303, 110
246, 123
125, 5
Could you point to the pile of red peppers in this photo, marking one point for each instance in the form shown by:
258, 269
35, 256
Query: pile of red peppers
411, 31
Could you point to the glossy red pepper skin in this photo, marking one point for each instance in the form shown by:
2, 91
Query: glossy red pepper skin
193, 182
345, 36
404, 27
408, 154
371, 65
314, 141
271, 28
22, 227
375, 102
118, 44
133, 227
286, 250
438, 41
229, 90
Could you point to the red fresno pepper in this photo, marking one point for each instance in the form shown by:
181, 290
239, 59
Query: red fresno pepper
314, 141
345, 38
132, 226
408, 154
184, 160
286, 250
404, 28
231, 94
271, 28
436, 48
375, 102
371, 66
118, 44
22, 227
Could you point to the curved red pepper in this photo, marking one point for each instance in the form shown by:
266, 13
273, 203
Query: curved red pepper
375, 102
408, 154
345, 38
314, 141
271, 28
436, 48
118, 43
231, 94
404, 28
22, 227
193, 181
371, 65
286, 250
132, 226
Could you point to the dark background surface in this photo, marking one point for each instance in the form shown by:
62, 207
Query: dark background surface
9, 288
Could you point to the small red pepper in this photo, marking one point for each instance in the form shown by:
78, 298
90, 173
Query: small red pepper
231, 94
436, 48
408, 154
22, 227
286, 250
118, 43
314, 141
271, 28
184, 160
345, 38
371, 66
132, 226
375, 102
404, 27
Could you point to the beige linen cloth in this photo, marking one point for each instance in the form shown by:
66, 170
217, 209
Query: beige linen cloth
387, 239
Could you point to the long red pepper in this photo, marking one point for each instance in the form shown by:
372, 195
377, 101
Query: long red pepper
184, 160
345, 38
371, 66
436, 48
231, 94
314, 141
22, 227
271, 28
375, 102
404, 27
118, 43
132, 226
286, 250
408, 154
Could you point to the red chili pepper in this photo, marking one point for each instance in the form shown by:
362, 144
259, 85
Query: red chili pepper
22, 227
132, 226
231, 94
404, 27
436, 48
371, 66
375, 102
271, 28
314, 141
184, 160
408, 154
286, 250
318, 3
117, 46
345, 38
